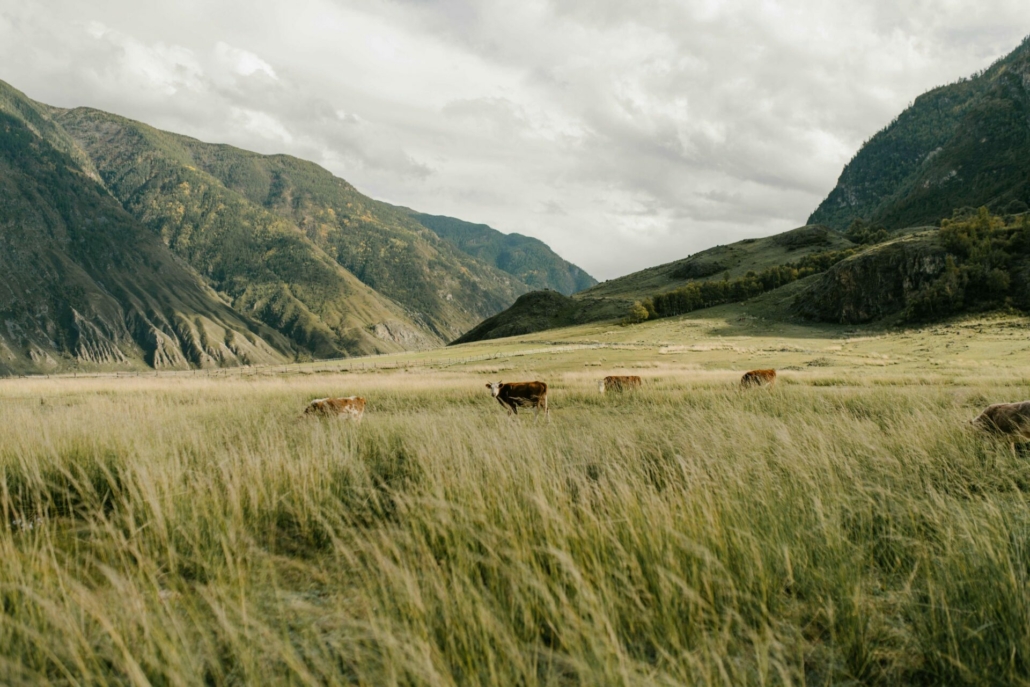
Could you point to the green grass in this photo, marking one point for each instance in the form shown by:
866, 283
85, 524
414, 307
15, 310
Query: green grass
843, 527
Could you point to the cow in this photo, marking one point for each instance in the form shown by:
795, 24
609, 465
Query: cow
758, 378
352, 407
618, 383
1006, 418
526, 394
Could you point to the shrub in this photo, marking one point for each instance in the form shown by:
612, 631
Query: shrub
637, 313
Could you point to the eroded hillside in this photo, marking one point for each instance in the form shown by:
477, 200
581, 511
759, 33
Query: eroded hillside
82, 283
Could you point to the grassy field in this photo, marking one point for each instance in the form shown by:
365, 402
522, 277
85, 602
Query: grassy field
843, 527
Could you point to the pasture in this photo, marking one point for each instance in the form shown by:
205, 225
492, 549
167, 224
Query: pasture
843, 527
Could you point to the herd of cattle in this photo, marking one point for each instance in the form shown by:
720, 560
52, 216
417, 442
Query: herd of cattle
1001, 418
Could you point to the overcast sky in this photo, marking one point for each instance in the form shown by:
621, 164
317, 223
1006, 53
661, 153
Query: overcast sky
624, 134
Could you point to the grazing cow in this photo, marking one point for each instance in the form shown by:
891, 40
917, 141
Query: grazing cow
352, 407
618, 383
758, 378
1006, 418
515, 394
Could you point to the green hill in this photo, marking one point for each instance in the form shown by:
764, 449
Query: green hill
974, 262
614, 299
526, 258
83, 284
962, 145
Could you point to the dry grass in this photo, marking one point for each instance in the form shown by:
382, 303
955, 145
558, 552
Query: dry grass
843, 527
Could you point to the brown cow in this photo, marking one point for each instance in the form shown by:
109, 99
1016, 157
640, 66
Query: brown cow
618, 383
758, 378
515, 394
352, 407
1006, 418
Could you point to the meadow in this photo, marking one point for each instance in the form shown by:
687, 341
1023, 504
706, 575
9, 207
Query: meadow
843, 527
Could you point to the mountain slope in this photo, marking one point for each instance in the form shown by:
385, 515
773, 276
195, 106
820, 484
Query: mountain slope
962, 145
528, 259
83, 284
263, 262
211, 201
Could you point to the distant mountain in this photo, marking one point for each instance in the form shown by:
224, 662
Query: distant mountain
526, 258
962, 145
125, 245
82, 283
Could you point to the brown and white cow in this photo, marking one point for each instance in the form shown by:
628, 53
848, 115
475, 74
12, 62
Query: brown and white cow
352, 407
525, 394
758, 378
618, 383
1006, 418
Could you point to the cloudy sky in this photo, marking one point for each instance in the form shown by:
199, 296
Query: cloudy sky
624, 134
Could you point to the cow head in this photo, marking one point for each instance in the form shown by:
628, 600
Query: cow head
600, 385
495, 388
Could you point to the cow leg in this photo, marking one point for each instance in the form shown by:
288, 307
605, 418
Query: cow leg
504, 404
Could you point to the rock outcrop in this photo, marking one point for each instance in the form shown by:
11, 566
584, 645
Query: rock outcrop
873, 284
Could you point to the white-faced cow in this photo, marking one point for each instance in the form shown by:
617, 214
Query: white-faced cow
524, 394
758, 378
618, 383
1006, 418
352, 407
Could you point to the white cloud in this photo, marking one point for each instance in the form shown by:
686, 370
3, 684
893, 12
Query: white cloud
262, 124
243, 62
158, 67
623, 134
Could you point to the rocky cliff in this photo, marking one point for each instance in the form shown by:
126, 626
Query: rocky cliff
873, 284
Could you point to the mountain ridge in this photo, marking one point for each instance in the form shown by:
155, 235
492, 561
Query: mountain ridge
959, 145
271, 250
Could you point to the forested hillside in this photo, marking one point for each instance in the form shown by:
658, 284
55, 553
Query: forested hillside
962, 145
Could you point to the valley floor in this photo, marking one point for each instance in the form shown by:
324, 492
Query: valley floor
843, 527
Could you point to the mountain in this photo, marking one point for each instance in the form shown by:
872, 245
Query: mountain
123, 245
82, 283
526, 258
290, 243
962, 145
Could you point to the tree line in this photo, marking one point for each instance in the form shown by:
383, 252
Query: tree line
705, 294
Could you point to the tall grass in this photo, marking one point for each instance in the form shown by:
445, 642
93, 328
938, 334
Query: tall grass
182, 532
